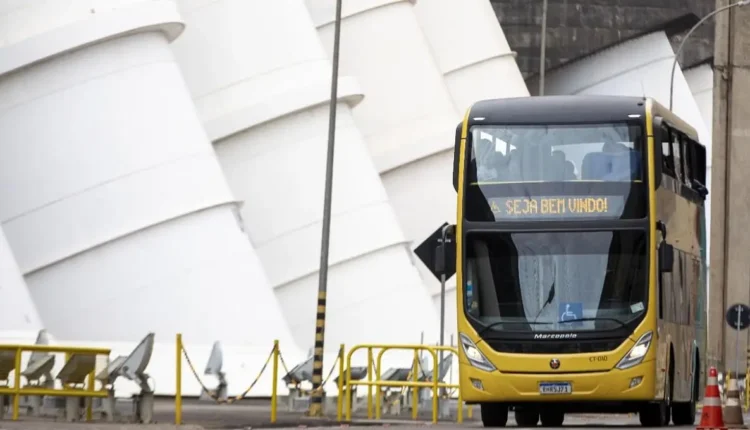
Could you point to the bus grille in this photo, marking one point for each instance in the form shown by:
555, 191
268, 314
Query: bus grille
555, 347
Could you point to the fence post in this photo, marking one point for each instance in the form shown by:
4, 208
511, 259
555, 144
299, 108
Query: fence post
275, 382
17, 384
178, 381
340, 400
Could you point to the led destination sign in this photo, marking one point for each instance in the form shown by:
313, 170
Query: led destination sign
557, 207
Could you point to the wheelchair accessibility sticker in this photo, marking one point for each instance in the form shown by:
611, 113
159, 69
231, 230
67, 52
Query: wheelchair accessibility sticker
571, 312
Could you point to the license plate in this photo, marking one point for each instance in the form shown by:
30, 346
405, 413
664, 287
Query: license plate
555, 388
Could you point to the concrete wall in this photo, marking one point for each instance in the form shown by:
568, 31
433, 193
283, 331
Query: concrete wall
730, 271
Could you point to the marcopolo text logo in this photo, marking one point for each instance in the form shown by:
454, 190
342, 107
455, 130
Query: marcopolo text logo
555, 336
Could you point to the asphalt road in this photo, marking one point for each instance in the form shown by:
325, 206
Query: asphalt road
245, 415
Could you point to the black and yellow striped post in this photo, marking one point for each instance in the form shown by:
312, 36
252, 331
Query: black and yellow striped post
316, 398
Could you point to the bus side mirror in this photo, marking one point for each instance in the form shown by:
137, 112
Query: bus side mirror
666, 257
456, 155
700, 188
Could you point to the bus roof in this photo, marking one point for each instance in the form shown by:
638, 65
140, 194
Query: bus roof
569, 109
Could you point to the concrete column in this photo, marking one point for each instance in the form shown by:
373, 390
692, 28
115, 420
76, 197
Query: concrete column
475, 65
19, 320
730, 242
111, 195
261, 82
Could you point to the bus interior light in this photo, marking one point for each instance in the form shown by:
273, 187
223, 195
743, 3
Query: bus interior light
637, 353
474, 355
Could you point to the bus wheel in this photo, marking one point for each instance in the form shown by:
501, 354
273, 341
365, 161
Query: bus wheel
553, 418
494, 414
658, 414
683, 414
526, 416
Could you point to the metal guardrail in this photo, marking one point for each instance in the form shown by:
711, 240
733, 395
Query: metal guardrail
67, 390
374, 380
78, 378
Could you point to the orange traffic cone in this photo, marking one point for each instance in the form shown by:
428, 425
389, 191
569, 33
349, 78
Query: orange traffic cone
711, 415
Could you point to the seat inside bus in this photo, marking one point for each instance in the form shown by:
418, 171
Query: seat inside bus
622, 165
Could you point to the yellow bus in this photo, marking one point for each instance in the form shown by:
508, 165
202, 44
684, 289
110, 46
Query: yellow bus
580, 259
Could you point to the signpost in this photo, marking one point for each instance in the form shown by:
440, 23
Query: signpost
738, 317
438, 253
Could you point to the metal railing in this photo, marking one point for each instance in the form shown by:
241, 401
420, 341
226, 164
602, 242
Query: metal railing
374, 380
67, 390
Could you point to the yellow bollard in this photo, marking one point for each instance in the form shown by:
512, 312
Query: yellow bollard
275, 383
178, 381
90, 400
435, 394
460, 411
378, 390
339, 401
348, 399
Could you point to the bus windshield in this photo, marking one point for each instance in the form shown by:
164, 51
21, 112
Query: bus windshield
555, 172
556, 281
559, 153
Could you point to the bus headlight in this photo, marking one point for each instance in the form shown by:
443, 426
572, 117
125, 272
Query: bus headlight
474, 355
637, 352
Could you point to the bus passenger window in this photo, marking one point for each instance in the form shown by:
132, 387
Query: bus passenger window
688, 149
666, 152
677, 159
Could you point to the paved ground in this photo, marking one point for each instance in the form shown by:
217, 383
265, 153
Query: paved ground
255, 414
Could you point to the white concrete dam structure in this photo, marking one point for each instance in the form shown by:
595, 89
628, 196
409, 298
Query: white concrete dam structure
700, 78
637, 67
476, 65
261, 82
407, 117
19, 320
111, 196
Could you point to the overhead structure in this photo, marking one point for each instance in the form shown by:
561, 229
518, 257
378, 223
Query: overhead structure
19, 320
261, 82
476, 65
637, 66
111, 196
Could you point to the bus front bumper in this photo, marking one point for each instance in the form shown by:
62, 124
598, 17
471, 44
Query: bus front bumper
634, 384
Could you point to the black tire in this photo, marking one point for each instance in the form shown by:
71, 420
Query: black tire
683, 414
658, 414
552, 418
494, 414
526, 416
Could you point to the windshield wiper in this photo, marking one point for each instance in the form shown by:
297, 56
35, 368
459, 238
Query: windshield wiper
485, 328
594, 319
550, 295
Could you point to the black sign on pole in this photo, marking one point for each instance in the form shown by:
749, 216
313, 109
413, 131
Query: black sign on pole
738, 316
426, 252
